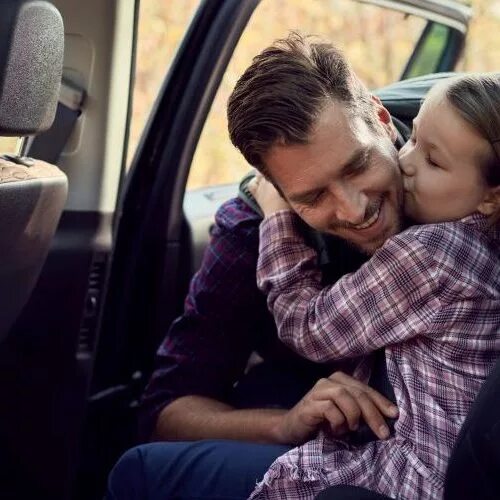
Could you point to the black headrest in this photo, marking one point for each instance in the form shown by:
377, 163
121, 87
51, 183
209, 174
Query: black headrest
31, 59
403, 98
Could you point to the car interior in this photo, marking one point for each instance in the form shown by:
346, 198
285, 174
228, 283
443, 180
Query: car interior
97, 250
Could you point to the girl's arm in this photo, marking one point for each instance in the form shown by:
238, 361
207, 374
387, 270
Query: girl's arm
393, 297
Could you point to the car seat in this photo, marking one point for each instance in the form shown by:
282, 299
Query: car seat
32, 193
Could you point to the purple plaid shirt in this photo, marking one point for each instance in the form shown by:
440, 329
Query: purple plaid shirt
206, 349
431, 295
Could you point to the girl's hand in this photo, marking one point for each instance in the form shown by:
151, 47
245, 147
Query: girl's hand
267, 196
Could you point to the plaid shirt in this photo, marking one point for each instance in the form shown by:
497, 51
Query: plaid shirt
431, 295
205, 351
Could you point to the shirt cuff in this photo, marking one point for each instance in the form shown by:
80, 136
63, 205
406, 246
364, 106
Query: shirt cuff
281, 225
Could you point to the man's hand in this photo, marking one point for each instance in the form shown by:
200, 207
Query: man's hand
339, 401
266, 195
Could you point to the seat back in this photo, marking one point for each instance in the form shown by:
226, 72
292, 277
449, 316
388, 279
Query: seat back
32, 193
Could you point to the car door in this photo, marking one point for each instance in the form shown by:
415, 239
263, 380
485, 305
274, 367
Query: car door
162, 229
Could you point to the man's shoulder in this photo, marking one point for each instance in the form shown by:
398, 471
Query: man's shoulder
431, 236
456, 240
235, 213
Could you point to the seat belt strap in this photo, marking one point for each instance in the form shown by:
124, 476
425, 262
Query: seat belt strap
49, 145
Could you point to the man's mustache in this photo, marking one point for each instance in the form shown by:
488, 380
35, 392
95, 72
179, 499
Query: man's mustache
371, 209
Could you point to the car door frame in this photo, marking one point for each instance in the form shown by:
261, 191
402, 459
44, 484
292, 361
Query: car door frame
448, 13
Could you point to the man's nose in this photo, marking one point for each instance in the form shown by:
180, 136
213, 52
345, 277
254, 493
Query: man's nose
350, 205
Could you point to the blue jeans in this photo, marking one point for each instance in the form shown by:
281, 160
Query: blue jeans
187, 470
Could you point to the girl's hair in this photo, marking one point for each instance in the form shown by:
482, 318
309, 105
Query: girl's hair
477, 99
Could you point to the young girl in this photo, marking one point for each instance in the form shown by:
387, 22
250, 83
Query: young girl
430, 296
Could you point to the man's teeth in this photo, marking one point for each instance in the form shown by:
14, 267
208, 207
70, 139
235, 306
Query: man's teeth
370, 221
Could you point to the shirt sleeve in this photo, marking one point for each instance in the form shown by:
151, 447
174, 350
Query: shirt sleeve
391, 298
205, 350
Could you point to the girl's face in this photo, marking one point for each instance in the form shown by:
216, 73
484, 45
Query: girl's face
441, 165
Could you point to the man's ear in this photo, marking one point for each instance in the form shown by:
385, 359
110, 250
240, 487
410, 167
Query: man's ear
384, 118
491, 202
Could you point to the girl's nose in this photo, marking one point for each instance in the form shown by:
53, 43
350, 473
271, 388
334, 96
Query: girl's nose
405, 162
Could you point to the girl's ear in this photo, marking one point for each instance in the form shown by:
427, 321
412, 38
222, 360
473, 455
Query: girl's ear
491, 202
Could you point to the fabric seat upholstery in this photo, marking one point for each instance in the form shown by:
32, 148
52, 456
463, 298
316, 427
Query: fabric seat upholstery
32, 193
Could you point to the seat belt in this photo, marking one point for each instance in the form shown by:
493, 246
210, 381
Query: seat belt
49, 145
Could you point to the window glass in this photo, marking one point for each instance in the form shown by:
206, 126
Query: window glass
162, 25
429, 54
482, 49
378, 43
10, 145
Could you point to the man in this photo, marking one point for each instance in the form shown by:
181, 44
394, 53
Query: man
349, 189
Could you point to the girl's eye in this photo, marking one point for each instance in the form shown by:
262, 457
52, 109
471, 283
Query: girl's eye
431, 162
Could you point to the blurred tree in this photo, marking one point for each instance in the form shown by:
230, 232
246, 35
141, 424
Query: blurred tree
377, 41
482, 51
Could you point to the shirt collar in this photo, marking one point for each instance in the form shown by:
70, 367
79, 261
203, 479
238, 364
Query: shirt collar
484, 223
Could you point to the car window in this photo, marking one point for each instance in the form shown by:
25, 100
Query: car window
428, 57
10, 145
377, 41
482, 50
161, 28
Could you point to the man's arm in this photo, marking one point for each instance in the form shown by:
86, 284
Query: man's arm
206, 350
339, 401
197, 417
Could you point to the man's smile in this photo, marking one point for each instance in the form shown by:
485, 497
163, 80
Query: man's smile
371, 220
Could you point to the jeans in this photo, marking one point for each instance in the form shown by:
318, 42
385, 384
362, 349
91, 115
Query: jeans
214, 469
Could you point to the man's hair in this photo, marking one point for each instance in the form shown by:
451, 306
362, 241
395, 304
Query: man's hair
279, 97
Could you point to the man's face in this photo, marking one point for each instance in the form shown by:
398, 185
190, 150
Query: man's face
346, 180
